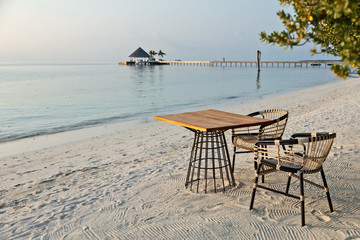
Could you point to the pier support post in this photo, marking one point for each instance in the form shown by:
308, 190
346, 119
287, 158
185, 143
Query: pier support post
258, 57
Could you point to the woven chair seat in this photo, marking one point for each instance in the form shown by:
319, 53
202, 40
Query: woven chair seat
245, 141
284, 166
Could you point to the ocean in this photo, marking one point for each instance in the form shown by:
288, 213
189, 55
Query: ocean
40, 99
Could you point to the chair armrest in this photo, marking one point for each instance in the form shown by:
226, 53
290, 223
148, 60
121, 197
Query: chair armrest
260, 114
282, 142
254, 114
303, 135
246, 134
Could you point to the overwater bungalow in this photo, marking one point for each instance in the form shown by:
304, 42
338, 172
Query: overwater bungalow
140, 57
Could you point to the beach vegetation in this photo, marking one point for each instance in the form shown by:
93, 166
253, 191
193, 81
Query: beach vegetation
161, 53
332, 26
152, 53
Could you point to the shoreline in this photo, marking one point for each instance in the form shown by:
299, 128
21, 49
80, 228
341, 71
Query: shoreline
130, 184
40, 142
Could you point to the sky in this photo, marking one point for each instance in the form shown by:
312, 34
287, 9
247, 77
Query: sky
105, 31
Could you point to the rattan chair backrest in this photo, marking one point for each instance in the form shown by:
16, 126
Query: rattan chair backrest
316, 150
276, 129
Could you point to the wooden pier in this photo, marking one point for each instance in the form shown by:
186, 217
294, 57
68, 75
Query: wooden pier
253, 63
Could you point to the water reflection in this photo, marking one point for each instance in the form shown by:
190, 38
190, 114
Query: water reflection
141, 73
147, 82
258, 80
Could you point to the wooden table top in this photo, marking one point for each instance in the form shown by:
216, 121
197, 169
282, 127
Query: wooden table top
212, 120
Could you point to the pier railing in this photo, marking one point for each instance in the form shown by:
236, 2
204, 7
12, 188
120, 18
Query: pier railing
253, 63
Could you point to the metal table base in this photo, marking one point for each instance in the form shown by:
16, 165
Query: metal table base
209, 163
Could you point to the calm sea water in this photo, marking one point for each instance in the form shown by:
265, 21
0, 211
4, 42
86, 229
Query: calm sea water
42, 99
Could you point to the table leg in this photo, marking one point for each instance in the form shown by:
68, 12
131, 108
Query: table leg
209, 159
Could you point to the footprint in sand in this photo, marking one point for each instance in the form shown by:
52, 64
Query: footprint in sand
321, 216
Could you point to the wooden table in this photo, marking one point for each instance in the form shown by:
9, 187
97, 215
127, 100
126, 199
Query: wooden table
209, 153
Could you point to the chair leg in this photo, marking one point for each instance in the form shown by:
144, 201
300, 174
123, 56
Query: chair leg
233, 160
255, 185
263, 178
288, 184
302, 199
327, 190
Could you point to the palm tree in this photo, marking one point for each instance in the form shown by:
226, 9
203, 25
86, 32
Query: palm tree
161, 53
152, 54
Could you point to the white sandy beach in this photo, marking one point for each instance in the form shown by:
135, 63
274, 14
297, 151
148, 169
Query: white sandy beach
130, 185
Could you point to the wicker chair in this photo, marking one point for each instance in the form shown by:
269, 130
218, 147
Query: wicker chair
305, 153
245, 138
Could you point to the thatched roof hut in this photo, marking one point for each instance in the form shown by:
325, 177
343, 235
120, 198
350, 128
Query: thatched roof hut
139, 53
